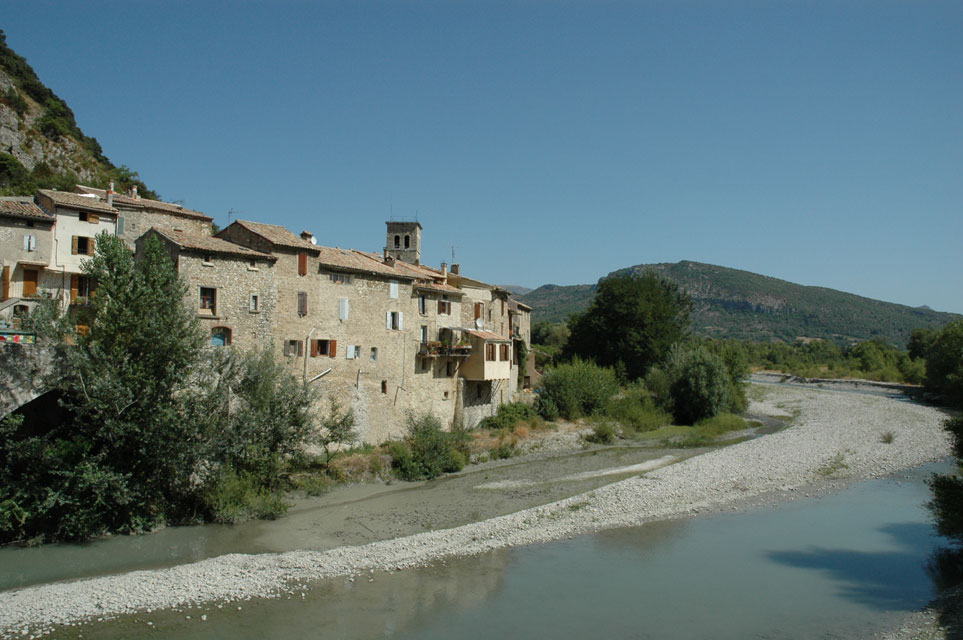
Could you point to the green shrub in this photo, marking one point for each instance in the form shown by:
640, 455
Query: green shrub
546, 408
720, 424
635, 410
503, 451
235, 497
604, 432
509, 415
700, 385
579, 388
428, 451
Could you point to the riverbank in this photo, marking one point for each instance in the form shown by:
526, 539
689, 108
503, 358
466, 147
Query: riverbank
835, 439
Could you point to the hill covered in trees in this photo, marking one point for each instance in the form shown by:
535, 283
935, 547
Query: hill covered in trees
730, 303
41, 145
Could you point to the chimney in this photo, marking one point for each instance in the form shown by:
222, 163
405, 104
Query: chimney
455, 269
110, 194
307, 235
444, 269
133, 191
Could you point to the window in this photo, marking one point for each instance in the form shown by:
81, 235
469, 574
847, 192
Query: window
31, 281
424, 333
384, 386
302, 264
208, 259
252, 264
424, 364
444, 306
208, 301
120, 225
327, 348
29, 242
220, 337
293, 348
82, 245
302, 303
407, 242
92, 218
393, 289
374, 353
397, 241
353, 352
445, 396
394, 321
340, 278
503, 307
449, 368
503, 352
343, 308
254, 303
479, 309
80, 289
489, 352
423, 304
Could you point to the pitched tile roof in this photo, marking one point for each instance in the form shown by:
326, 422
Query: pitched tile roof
210, 244
277, 235
145, 203
23, 208
358, 262
437, 286
488, 336
77, 201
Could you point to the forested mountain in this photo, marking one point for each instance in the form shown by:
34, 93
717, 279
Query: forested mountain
41, 145
729, 303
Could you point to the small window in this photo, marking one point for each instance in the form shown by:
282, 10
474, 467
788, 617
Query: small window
254, 303
374, 353
302, 303
384, 386
490, 353
479, 309
407, 242
423, 304
120, 225
252, 264
393, 289
208, 259
445, 397
208, 301
424, 364
503, 352
444, 306
397, 241
424, 333
327, 348
293, 348
394, 321
29, 242
220, 337
82, 245
344, 307
449, 368
340, 278
83, 216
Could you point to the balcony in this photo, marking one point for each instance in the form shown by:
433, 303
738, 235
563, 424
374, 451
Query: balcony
444, 350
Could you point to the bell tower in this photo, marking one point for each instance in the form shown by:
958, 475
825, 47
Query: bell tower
404, 241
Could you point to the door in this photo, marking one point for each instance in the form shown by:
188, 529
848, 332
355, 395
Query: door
31, 278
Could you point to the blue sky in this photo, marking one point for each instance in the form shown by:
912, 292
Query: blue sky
547, 142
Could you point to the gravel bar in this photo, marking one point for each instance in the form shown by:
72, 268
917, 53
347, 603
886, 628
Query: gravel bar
835, 438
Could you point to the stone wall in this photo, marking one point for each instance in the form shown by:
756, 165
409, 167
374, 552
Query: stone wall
137, 221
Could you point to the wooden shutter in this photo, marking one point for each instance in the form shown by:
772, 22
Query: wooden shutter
441, 306
401, 321
93, 218
302, 264
31, 278
5, 291
388, 320
74, 288
478, 310
90, 246
302, 303
74, 241
314, 348
332, 348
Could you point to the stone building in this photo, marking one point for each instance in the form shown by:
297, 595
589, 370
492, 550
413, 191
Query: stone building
231, 288
135, 215
26, 250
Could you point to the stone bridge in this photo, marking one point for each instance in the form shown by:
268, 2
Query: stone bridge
24, 368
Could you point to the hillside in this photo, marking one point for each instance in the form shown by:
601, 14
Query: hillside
729, 303
41, 145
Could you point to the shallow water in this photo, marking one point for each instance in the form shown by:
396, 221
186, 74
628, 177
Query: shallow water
840, 566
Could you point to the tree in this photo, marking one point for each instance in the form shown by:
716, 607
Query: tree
699, 384
944, 363
337, 430
633, 320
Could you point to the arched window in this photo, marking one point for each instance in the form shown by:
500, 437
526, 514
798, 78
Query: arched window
220, 337
407, 242
397, 241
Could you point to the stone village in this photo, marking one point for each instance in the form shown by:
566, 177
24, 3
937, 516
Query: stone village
382, 334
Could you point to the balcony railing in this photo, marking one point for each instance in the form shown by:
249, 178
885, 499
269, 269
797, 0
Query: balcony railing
444, 349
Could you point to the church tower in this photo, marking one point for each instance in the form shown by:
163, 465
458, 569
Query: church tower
404, 241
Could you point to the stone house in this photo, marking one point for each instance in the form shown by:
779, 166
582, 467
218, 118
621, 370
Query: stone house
135, 215
26, 250
231, 288
78, 221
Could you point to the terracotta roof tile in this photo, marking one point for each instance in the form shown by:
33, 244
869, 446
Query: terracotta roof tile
77, 201
145, 203
437, 286
277, 235
358, 262
210, 244
23, 208
488, 336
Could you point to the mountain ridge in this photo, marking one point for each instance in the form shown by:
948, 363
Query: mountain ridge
733, 303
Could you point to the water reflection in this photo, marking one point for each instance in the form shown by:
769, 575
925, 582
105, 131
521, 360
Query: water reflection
877, 579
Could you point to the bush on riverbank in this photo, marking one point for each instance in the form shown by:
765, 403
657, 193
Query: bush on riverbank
579, 388
428, 451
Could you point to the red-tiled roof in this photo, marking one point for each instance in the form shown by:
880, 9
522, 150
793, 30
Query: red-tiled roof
358, 262
437, 286
23, 208
145, 203
277, 235
210, 244
77, 201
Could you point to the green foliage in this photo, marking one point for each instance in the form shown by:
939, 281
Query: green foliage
235, 497
546, 408
509, 415
699, 384
944, 363
427, 451
337, 431
603, 432
14, 100
636, 412
633, 320
579, 388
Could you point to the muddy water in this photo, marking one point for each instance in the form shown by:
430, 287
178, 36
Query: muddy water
346, 516
842, 566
